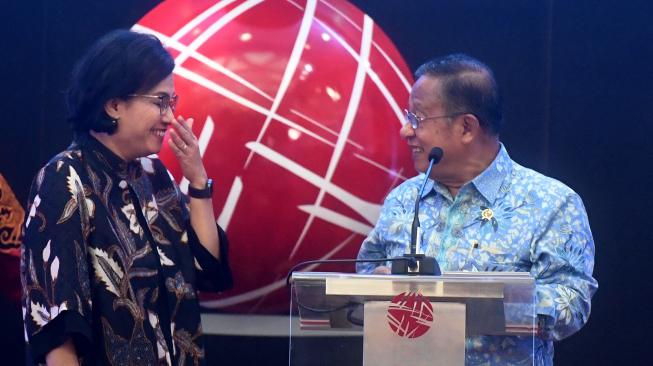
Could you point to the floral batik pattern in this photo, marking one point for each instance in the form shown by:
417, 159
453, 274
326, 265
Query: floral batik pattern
109, 260
509, 218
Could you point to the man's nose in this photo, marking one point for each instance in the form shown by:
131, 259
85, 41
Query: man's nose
406, 131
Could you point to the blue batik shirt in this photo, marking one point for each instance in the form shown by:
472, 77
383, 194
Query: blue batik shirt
509, 218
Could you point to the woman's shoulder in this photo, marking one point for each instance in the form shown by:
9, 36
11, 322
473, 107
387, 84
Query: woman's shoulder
162, 182
61, 173
72, 155
157, 173
154, 167
65, 161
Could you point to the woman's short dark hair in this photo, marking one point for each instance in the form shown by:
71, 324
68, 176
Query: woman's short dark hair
120, 63
467, 86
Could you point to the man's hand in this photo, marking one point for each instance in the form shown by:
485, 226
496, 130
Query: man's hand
382, 270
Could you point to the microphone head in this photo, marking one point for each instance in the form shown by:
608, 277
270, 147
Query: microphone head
436, 154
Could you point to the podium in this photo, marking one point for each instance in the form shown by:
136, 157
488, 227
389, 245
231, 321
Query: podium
458, 318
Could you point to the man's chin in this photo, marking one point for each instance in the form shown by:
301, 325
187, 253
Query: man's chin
421, 167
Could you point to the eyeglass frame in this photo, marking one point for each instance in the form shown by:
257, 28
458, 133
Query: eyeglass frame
416, 120
163, 104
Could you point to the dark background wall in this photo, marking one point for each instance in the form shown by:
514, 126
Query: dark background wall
576, 77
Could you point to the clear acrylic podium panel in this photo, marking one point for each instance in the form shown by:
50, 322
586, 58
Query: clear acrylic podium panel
471, 310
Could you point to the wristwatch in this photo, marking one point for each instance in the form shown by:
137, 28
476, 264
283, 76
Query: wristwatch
205, 192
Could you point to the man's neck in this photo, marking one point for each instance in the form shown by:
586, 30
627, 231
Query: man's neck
479, 158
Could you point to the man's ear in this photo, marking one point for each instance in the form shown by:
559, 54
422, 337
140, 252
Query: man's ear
471, 128
112, 108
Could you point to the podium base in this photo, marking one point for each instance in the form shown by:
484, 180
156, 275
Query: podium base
421, 265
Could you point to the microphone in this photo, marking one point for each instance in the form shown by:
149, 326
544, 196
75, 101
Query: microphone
422, 265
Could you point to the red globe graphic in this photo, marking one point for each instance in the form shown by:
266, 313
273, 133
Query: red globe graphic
410, 315
297, 107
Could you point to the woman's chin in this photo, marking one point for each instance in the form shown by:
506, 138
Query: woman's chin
154, 147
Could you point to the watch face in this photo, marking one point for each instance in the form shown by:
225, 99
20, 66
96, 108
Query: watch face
297, 109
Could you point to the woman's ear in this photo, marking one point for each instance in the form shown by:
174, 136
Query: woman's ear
112, 108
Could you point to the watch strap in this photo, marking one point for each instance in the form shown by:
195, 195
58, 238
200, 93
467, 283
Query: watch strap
205, 192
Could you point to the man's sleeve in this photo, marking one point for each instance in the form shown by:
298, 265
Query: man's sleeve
563, 258
375, 246
372, 248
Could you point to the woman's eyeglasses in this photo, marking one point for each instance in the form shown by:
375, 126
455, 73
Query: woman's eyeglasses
165, 101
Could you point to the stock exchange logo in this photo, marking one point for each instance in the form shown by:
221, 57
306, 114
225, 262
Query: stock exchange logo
297, 107
410, 315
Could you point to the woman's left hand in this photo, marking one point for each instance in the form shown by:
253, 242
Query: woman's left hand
185, 147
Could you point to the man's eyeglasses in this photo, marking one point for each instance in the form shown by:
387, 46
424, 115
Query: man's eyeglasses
165, 101
415, 120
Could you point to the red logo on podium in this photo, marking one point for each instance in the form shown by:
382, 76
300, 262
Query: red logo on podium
410, 315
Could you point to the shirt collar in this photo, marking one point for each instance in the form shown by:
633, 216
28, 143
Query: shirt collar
487, 183
430, 185
106, 159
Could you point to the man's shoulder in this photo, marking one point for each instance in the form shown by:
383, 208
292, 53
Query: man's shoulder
405, 193
543, 185
409, 185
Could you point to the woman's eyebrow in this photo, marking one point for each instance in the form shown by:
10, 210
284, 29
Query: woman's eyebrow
163, 93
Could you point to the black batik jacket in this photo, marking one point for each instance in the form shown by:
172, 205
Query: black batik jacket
111, 260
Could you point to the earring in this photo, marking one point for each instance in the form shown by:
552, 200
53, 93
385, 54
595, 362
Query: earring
114, 122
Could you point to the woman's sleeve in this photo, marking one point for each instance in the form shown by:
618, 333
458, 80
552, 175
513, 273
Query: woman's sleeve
213, 275
54, 273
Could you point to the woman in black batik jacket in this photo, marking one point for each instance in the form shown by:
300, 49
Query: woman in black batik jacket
114, 254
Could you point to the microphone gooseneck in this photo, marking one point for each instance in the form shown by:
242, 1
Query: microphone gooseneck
422, 265
434, 157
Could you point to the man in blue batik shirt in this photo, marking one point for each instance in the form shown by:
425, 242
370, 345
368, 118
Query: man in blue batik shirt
481, 211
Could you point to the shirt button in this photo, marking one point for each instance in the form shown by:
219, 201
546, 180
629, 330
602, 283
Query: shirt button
439, 227
457, 233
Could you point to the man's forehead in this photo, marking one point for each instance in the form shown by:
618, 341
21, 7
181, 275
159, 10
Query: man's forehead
427, 83
425, 91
